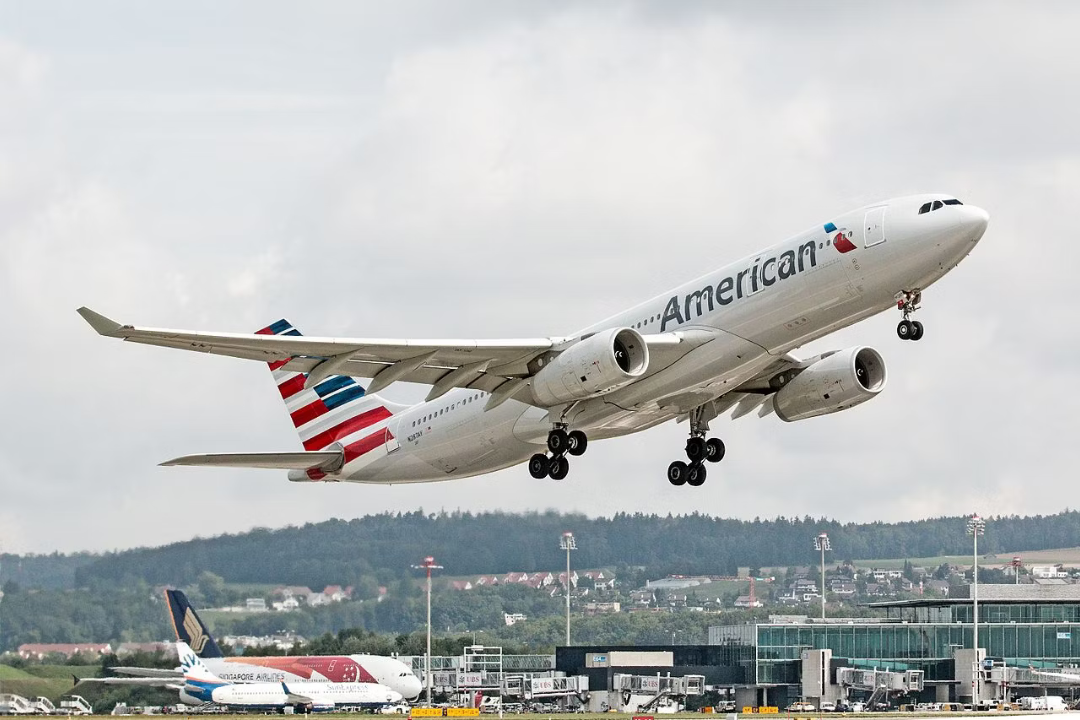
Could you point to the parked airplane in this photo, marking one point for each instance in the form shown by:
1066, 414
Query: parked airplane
718, 343
203, 686
297, 670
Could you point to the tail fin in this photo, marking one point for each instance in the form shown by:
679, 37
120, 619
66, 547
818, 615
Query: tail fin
192, 667
332, 411
190, 629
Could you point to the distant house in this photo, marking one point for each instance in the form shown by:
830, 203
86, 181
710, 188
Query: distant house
844, 589
516, 577
1048, 572
302, 593
875, 590
336, 593
602, 608
642, 597
939, 587
461, 585
513, 618
130, 648
37, 651
255, 605
600, 578
745, 601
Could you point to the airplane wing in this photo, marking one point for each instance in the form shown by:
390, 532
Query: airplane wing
444, 364
324, 460
148, 672
172, 684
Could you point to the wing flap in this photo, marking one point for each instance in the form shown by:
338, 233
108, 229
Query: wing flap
325, 460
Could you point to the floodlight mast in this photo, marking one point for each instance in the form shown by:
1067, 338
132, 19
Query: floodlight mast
821, 542
567, 543
975, 527
428, 565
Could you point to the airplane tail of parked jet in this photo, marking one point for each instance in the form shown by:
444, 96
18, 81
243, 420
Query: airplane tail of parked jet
195, 671
337, 420
189, 627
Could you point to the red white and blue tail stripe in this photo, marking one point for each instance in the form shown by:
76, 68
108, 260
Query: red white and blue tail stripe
336, 410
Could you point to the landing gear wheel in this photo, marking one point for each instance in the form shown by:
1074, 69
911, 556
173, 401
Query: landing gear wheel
676, 472
917, 334
538, 466
577, 442
714, 450
558, 467
904, 331
696, 449
558, 441
695, 475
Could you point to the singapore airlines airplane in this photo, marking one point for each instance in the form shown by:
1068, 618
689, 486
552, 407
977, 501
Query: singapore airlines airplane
718, 343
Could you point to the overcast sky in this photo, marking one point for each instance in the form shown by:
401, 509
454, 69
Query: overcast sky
493, 169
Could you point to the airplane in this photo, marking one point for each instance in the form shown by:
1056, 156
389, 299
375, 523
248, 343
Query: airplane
295, 669
202, 686
719, 343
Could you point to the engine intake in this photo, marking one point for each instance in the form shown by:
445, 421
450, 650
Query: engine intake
596, 365
835, 382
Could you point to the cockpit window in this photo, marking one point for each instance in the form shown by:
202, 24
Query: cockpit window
937, 205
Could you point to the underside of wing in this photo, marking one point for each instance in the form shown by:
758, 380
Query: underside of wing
323, 460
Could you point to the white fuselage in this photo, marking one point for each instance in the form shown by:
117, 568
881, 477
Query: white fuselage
272, 695
755, 310
304, 670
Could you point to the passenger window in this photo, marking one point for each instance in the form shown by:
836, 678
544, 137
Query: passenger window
924, 209
937, 205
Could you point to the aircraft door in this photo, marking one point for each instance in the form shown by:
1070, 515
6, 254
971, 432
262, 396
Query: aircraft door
874, 227
391, 442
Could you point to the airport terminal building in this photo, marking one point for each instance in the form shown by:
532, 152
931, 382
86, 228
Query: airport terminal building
920, 651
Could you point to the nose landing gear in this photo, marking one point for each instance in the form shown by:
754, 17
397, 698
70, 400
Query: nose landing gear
699, 450
907, 301
560, 443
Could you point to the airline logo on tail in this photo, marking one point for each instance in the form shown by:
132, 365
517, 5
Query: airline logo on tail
195, 633
192, 667
332, 411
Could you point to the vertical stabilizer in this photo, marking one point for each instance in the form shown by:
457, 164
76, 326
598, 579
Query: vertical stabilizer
189, 627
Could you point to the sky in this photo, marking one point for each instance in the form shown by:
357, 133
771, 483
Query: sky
500, 170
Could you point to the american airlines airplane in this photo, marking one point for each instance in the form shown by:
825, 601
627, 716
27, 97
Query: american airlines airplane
719, 343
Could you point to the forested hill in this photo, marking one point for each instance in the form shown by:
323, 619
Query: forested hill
384, 546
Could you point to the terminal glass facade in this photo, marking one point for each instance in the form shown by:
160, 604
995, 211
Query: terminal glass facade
916, 646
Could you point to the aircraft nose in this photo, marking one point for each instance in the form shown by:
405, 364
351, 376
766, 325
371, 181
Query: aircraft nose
975, 219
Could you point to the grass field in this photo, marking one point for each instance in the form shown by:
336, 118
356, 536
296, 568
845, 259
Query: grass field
52, 681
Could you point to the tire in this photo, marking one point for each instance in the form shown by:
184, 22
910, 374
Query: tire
538, 466
715, 449
695, 475
558, 441
905, 330
695, 449
578, 442
676, 473
917, 334
558, 468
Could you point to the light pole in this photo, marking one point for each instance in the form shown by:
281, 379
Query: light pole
567, 543
429, 565
975, 527
821, 542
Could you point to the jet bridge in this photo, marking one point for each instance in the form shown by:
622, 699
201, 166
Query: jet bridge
657, 693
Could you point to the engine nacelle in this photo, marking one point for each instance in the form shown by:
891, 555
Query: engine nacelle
836, 382
596, 365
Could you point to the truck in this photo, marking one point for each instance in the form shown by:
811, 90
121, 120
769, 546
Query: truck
1043, 702
11, 704
75, 705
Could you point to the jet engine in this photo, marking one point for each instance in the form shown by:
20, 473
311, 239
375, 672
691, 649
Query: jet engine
836, 381
590, 367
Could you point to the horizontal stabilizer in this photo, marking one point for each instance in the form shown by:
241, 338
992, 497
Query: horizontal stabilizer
325, 460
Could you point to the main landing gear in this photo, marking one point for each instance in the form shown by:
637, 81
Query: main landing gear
699, 450
907, 301
560, 442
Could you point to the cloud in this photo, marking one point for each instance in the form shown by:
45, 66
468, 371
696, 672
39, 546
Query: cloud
520, 172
